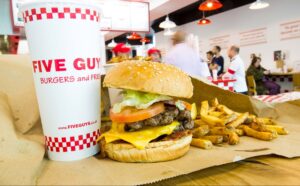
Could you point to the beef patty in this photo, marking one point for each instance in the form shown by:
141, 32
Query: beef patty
171, 113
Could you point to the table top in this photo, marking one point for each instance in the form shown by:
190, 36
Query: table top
266, 170
283, 73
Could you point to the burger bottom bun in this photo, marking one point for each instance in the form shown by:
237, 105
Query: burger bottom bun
154, 152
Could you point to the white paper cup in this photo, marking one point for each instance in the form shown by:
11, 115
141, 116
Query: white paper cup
64, 44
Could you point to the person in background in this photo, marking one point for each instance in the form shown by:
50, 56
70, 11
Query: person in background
252, 56
121, 52
211, 65
236, 70
154, 55
262, 84
186, 58
218, 59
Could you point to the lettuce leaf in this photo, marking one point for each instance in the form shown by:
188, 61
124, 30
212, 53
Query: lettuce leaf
139, 100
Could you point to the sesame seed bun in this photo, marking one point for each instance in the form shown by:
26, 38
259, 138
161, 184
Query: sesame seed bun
150, 77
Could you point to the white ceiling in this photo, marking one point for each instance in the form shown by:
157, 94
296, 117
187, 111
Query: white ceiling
158, 8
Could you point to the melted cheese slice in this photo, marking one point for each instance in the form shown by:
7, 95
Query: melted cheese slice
139, 139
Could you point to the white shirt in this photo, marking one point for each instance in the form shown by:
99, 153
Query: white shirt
187, 59
237, 71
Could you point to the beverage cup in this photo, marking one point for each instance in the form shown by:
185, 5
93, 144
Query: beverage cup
64, 44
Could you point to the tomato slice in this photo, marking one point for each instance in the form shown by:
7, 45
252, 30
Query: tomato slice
130, 114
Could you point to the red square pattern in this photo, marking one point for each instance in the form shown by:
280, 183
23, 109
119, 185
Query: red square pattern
72, 143
77, 13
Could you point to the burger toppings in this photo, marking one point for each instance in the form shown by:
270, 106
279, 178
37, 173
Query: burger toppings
144, 117
131, 114
171, 113
139, 100
139, 139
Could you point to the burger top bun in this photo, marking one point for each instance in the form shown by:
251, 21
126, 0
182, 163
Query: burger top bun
152, 77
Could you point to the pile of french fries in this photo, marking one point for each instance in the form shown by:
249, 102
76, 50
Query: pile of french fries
216, 124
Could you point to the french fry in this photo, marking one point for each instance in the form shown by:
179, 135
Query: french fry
279, 129
204, 108
218, 124
194, 111
199, 123
239, 132
233, 138
212, 120
215, 113
266, 136
200, 131
262, 128
225, 109
219, 131
202, 143
215, 102
214, 139
250, 119
225, 139
239, 120
265, 121
212, 109
230, 118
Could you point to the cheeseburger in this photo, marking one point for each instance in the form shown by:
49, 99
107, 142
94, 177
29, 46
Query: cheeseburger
150, 124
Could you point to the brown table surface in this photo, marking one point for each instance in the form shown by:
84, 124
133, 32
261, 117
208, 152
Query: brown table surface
267, 170
283, 74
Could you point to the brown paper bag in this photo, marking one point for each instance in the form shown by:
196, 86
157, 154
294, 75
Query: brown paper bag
96, 171
17, 82
20, 159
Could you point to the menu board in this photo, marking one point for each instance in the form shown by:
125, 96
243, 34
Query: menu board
290, 30
125, 16
253, 37
222, 41
16, 17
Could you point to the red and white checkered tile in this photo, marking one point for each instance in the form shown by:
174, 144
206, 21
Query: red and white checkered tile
72, 143
37, 14
226, 85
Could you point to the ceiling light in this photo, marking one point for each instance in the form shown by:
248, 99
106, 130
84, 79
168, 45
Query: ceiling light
204, 20
112, 44
168, 32
167, 23
134, 36
210, 5
259, 4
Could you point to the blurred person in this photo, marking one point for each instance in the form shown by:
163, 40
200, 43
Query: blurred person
262, 84
218, 59
186, 58
209, 57
154, 55
211, 65
236, 70
121, 52
252, 56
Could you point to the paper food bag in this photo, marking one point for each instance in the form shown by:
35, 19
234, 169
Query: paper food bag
95, 171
